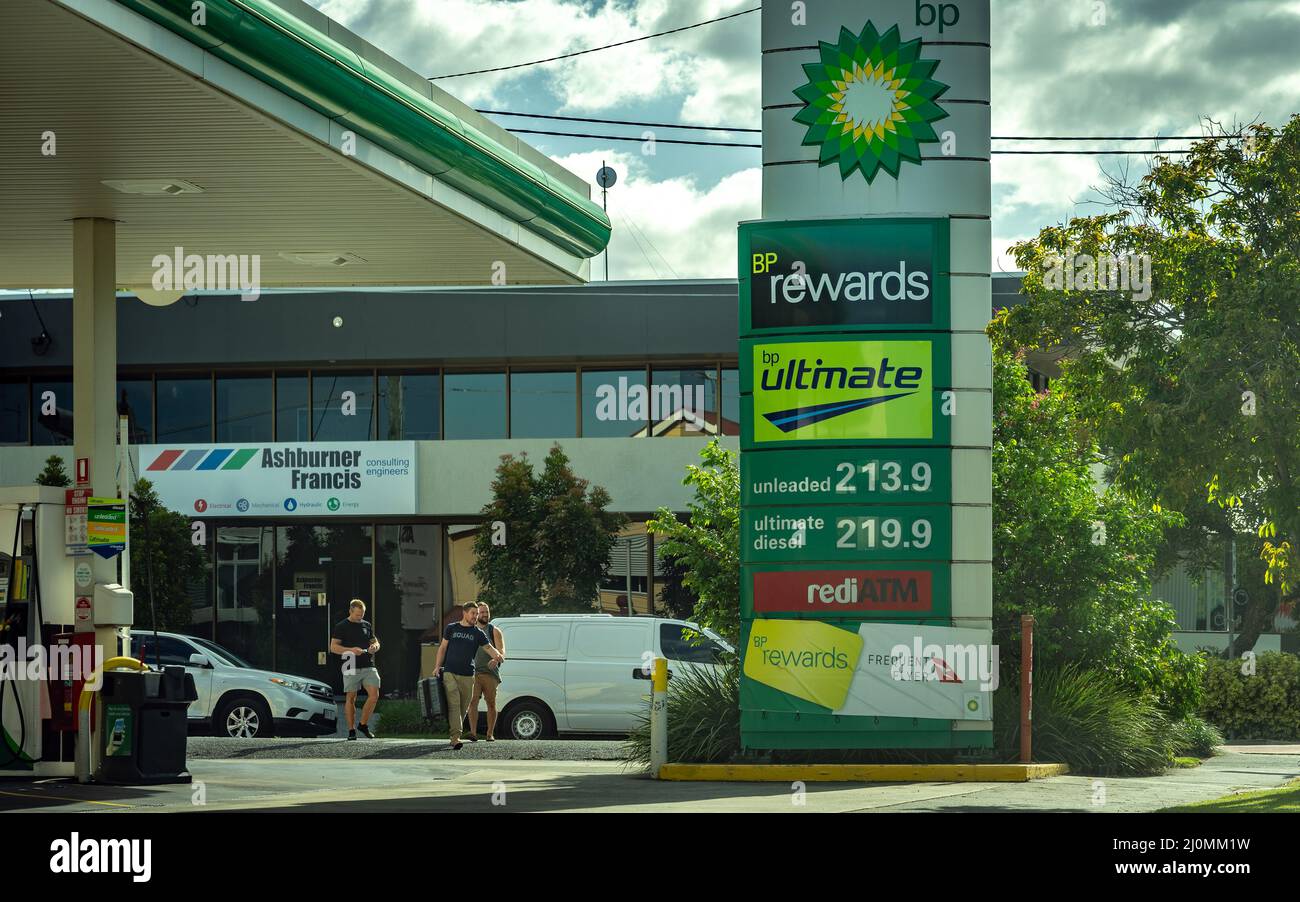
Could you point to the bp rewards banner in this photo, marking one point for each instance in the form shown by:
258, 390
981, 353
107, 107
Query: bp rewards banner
876, 669
284, 479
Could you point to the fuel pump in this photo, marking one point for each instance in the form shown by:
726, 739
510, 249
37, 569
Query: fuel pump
36, 606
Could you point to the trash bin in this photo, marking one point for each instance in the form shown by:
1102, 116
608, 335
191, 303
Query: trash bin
143, 726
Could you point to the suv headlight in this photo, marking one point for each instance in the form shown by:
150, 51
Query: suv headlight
290, 684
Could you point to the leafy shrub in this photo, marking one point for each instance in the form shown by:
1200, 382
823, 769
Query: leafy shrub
1195, 737
399, 717
1265, 705
703, 717
1090, 721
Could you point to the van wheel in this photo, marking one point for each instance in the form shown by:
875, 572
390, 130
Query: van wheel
243, 718
529, 720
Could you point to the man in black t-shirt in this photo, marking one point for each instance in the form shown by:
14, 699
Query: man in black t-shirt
460, 643
354, 639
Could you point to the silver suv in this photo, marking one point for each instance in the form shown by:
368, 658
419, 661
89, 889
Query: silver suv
235, 698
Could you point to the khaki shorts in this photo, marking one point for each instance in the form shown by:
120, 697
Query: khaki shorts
366, 676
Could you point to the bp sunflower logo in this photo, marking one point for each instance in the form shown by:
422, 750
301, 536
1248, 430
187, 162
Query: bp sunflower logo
870, 101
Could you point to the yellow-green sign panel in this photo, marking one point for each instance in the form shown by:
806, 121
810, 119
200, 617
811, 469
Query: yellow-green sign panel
847, 390
846, 476
856, 534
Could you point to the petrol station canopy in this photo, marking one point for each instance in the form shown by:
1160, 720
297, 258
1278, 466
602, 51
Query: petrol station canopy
235, 137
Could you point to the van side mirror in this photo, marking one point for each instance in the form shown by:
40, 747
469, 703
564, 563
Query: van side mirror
198, 660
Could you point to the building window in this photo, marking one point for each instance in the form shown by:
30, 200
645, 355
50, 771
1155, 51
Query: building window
185, 410
135, 402
292, 418
244, 409
684, 401
410, 406
52, 413
14, 414
339, 419
730, 424
543, 405
474, 405
614, 403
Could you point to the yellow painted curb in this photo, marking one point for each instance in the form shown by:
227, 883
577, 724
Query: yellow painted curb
863, 773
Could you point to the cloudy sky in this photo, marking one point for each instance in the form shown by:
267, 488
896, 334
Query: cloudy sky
1152, 67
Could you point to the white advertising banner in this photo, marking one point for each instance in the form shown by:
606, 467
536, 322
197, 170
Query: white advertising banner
923, 671
286, 479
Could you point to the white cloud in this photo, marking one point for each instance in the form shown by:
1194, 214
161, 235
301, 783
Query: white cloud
669, 228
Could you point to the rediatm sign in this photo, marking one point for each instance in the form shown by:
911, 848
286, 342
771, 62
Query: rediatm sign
284, 479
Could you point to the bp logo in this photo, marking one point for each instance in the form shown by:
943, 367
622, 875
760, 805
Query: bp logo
869, 102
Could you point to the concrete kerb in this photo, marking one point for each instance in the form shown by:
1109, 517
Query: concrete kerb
862, 773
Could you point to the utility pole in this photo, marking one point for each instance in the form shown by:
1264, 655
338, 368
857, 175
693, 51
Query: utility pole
606, 177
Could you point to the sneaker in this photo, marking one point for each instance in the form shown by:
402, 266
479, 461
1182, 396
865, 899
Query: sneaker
365, 731
352, 735
472, 737
455, 746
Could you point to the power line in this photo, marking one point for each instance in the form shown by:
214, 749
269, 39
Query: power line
530, 131
700, 128
756, 131
551, 59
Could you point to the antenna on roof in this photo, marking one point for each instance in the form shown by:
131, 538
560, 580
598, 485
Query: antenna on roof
605, 177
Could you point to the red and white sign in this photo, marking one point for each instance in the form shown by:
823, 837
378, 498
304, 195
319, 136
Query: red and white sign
74, 520
83, 610
843, 593
83, 471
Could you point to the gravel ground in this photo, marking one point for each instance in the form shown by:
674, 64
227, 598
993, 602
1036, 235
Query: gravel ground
329, 747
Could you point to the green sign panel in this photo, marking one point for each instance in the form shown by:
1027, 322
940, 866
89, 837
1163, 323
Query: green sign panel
840, 533
844, 275
846, 476
845, 390
119, 730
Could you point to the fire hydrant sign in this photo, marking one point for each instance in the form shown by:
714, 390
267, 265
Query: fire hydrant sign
106, 526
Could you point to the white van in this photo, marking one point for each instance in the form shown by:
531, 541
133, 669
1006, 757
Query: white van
589, 673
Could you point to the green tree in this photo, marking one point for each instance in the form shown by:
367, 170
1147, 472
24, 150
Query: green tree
164, 561
1073, 553
707, 544
54, 474
1192, 386
545, 539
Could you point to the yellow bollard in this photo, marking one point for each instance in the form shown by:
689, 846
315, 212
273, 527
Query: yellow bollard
658, 716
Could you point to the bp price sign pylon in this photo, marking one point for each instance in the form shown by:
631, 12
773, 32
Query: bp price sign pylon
866, 405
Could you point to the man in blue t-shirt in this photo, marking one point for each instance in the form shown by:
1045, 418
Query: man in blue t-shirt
460, 643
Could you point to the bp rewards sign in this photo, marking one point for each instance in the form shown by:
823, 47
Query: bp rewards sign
285, 479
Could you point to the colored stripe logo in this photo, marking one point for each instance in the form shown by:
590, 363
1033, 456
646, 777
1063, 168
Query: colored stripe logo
798, 417
176, 459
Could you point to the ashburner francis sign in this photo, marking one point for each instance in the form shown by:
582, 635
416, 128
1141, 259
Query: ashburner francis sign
284, 479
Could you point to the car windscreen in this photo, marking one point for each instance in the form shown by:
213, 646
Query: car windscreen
224, 654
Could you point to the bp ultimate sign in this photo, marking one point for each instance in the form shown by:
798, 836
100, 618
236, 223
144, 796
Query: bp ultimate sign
284, 479
865, 379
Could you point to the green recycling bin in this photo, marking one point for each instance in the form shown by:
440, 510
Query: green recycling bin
143, 726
